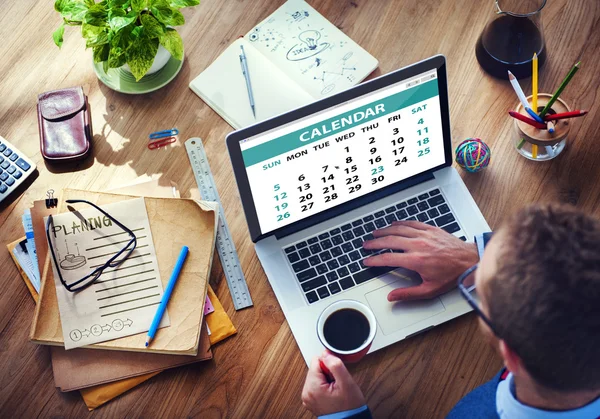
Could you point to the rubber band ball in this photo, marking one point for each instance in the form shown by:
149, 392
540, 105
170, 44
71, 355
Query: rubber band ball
473, 155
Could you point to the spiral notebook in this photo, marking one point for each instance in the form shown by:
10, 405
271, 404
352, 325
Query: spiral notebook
294, 57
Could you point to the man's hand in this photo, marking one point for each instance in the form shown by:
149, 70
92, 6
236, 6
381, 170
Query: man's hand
322, 397
434, 254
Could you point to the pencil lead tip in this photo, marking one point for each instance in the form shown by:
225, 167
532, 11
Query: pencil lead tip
535, 55
510, 75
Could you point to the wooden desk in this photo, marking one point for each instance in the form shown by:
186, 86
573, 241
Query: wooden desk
260, 372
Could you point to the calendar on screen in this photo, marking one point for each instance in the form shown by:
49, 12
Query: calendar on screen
344, 152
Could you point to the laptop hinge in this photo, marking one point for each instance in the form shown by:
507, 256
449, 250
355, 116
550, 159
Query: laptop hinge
349, 206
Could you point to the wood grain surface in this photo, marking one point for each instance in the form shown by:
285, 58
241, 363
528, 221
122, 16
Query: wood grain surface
260, 372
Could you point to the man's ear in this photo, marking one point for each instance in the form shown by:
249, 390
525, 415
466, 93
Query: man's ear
511, 360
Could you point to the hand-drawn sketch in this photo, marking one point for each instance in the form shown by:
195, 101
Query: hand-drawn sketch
327, 89
310, 49
72, 261
83, 241
340, 71
96, 330
310, 46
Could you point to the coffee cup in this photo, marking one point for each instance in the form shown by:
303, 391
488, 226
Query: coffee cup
347, 329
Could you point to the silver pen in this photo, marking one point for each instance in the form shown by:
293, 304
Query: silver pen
246, 73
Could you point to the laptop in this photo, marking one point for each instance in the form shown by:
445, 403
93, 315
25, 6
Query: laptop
316, 182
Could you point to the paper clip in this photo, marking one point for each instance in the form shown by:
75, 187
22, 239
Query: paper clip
163, 134
51, 201
161, 142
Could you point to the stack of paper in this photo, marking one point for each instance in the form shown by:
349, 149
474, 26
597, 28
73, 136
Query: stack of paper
109, 373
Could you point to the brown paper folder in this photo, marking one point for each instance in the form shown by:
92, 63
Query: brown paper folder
81, 368
174, 223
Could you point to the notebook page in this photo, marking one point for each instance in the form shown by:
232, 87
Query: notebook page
223, 87
124, 299
311, 50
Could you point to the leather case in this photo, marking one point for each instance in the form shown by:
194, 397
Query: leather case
65, 124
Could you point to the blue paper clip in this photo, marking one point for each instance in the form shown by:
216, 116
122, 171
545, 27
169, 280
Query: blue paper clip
163, 134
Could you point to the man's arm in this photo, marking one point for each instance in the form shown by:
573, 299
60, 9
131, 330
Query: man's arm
437, 256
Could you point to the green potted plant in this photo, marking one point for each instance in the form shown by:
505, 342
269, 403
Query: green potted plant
126, 32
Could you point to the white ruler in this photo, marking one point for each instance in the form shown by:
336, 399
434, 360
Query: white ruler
227, 253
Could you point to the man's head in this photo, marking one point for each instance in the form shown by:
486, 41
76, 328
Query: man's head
539, 283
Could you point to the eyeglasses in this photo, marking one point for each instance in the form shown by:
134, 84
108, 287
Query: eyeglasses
113, 262
466, 293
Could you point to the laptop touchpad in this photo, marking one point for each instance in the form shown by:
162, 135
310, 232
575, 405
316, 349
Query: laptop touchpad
392, 317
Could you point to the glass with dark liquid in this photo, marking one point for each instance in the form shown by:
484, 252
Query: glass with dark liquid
510, 39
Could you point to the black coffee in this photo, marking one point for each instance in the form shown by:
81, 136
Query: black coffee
508, 43
346, 329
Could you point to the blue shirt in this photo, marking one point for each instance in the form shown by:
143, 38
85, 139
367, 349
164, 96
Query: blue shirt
345, 413
496, 399
508, 406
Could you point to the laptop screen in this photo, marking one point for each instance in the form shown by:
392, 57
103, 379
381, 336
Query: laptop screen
341, 153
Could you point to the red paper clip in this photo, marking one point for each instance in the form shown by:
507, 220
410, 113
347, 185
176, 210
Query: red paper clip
161, 142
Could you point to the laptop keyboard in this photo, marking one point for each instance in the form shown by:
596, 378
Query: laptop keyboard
332, 262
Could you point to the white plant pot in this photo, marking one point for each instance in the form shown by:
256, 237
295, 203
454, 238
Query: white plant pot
161, 59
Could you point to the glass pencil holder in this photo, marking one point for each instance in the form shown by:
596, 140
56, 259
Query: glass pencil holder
541, 144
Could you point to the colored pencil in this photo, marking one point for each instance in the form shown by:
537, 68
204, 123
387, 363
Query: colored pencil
167, 294
521, 144
534, 115
560, 89
527, 120
551, 127
534, 151
534, 83
564, 115
517, 87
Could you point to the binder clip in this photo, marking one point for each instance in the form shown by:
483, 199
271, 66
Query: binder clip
51, 201
164, 134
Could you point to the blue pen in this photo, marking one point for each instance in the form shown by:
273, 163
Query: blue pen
167, 294
534, 115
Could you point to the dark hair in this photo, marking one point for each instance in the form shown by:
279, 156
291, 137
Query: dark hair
545, 296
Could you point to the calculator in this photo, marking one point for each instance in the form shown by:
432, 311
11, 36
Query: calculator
15, 167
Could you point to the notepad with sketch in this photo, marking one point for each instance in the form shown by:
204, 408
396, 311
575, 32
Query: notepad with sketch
295, 57
124, 299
